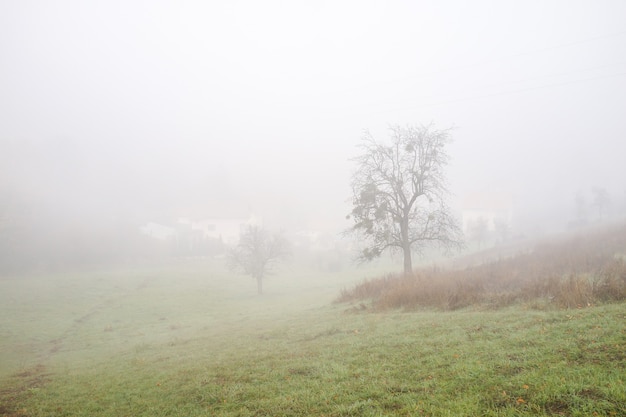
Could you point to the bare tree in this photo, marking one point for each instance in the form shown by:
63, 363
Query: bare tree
502, 228
601, 199
257, 253
399, 194
581, 208
479, 230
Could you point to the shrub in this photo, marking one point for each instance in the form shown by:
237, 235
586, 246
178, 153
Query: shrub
610, 284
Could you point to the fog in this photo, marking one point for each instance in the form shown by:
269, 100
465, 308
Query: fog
116, 114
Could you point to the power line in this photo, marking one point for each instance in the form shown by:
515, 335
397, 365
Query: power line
525, 53
483, 63
504, 93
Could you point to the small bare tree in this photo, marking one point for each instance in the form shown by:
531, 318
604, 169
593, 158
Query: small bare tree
581, 207
257, 253
502, 228
399, 194
479, 230
601, 199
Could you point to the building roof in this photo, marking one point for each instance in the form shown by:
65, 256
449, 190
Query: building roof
487, 201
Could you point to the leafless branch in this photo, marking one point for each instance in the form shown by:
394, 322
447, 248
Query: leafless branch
399, 193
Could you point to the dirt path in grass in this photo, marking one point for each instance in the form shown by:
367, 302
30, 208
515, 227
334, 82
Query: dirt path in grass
57, 343
18, 386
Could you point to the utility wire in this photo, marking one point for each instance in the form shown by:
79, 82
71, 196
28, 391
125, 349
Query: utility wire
483, 63
504, 93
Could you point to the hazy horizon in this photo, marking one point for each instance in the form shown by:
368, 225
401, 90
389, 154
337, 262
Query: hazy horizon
144, 111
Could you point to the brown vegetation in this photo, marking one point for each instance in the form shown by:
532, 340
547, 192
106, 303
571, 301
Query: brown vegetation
570, 272
22, 383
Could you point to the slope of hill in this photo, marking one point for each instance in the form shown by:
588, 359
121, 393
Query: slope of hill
571, 271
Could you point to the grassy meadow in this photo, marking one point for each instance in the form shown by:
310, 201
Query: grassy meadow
192, 339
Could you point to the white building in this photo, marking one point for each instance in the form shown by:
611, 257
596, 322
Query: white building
492, 208
226, 230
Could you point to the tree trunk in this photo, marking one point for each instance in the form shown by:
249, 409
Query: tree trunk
406, 245
259, 284
408, 263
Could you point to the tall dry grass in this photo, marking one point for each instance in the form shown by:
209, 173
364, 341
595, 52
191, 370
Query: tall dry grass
569, 272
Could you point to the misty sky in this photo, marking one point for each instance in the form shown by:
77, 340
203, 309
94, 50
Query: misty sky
239, 107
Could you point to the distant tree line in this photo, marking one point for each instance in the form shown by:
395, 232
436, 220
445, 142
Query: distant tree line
596, 208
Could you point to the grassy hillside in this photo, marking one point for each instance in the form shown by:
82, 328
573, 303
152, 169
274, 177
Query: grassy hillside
575, 270
191, 339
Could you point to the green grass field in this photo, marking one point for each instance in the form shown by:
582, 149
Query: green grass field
191, 339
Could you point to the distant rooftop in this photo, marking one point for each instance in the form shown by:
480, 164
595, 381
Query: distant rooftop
487, 201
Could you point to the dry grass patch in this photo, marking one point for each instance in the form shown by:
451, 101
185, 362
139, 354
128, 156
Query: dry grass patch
22, 384
576, 271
